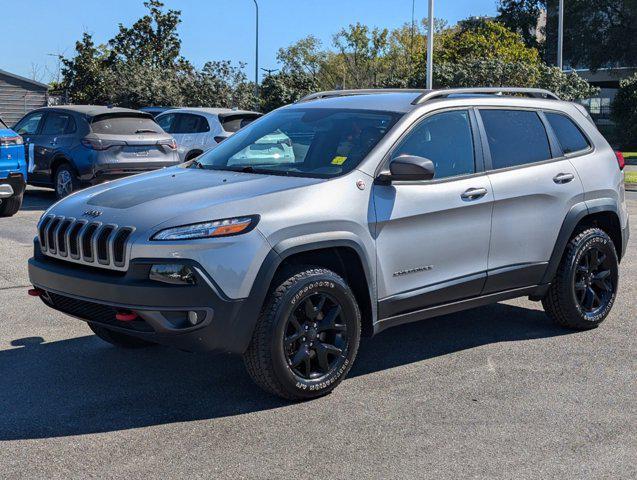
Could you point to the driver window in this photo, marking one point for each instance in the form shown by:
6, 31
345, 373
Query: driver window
29, 124
445, 139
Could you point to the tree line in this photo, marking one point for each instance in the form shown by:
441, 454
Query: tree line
143, 65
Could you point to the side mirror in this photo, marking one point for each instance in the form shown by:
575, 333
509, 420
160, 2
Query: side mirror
409, 168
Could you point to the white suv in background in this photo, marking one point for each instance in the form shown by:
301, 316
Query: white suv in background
199, 129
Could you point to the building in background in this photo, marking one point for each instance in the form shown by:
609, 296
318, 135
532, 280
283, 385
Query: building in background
19, 95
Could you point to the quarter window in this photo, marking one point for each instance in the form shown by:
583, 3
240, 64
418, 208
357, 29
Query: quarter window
445, 139
568, 134
516, 137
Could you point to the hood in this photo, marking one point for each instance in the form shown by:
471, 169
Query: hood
184, 195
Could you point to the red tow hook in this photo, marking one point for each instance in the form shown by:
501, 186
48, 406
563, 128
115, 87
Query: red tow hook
34, 292
126, 316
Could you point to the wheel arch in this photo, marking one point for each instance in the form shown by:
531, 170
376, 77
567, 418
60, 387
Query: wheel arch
59, 160
600, 213
194, 153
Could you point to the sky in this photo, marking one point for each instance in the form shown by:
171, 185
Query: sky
34, 31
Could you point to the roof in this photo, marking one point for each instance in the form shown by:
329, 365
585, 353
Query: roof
93, 110
24, 79
212, 111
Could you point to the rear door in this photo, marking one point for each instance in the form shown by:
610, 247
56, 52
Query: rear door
55, 136
534, 187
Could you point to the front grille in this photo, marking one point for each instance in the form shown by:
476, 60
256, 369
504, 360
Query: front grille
93, 312
88, 243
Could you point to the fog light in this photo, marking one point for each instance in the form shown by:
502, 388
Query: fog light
173, 273
193, 317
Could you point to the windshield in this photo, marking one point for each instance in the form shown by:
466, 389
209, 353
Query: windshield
321, 143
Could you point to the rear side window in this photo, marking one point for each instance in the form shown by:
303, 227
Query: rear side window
568, 134
189, 123
58, 124
124, 124
233, 123
516, 137
445, 139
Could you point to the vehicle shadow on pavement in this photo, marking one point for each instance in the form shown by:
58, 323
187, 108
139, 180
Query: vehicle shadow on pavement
36, 199
83, 385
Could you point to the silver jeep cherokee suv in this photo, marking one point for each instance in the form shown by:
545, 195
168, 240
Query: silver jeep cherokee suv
395, 206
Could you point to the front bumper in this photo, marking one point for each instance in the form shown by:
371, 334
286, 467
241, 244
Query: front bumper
13, 185
96, 296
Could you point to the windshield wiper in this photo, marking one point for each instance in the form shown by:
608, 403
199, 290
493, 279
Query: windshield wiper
197, 164
145, 130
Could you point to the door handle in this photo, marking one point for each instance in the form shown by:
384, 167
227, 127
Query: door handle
473, 193
563, 178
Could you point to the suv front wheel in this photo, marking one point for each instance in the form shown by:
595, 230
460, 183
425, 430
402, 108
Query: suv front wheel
585, 286
306, 337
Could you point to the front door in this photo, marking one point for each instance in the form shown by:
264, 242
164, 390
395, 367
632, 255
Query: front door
432, 237
29, 129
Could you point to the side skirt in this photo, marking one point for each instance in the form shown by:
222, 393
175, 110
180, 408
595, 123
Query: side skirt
453, 307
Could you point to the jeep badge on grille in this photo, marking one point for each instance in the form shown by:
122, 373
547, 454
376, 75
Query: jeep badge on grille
92, 213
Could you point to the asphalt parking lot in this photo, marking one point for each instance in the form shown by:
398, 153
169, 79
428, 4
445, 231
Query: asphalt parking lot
496, 392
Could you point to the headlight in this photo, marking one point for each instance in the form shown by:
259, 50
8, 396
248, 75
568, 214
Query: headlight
217, 228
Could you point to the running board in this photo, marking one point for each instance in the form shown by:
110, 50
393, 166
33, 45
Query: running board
452, 307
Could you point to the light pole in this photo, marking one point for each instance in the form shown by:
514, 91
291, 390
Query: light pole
256, 53
430, 46
560, 34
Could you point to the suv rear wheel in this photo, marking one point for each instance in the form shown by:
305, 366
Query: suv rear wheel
306, 337
585, 286
119, 339
65, 181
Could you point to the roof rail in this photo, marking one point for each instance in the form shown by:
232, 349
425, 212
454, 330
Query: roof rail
363, 91
531, 92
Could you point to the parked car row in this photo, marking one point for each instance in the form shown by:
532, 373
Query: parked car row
70, 147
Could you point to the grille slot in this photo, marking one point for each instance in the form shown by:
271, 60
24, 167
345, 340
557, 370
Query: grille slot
102, 244
42, 232
83, 242
50, 235
87, 242
61, 237
74, 245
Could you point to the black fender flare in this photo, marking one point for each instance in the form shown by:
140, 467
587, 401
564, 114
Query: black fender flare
573, 217
250, 310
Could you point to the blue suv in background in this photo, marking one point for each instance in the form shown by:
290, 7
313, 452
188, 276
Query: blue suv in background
13, 171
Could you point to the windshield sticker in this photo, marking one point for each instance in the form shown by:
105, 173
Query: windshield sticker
338, 160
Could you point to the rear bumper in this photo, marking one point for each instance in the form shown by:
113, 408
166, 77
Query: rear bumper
97, 296
13, 184
112, 171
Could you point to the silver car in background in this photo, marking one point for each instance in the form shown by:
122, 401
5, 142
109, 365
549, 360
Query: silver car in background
199, 129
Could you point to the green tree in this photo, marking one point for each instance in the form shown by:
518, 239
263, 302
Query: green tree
484, 40
624, 112
86, 77
283, 88
522, 17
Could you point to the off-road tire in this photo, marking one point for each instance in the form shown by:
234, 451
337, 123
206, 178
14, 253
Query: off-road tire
10, 206
265, 358
119, 339
560, 302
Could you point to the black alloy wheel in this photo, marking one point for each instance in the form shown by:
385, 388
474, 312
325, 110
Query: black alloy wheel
316, 340
593, 282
